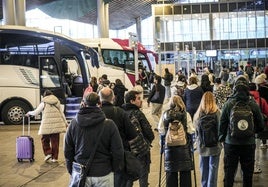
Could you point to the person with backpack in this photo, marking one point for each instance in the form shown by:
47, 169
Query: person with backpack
241, 118
127, 131
177, 147
206, 121
132, 107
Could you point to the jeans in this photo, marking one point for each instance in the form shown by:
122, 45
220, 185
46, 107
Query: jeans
156, 112
103, 181
209, 170
245, 154
172, 179
168, 92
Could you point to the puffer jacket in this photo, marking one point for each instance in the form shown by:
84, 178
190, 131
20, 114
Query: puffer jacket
81, 137
53, 119
177, 158
224, 130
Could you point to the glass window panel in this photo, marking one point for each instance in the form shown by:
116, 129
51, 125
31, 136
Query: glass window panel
233, 44
223, 7
242, 43
195, 9
214, 8
177, 9
186, 9
260, 43
232, 7
205, 8
251, 43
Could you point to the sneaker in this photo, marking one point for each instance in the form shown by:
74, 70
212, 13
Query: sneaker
54, 160
47, 157
263, 146
257, 170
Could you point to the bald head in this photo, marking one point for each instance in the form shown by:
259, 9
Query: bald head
106, 94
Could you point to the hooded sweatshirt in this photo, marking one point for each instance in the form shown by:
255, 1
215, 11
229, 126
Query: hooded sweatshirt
81, 138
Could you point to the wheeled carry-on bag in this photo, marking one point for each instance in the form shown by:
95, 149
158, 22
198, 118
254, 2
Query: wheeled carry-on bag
25, 144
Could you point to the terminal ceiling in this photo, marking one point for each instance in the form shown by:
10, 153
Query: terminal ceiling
122, 13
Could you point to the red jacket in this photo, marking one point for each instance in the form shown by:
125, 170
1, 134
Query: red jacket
258, 99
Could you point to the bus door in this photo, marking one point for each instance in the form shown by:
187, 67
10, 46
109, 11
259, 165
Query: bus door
50, 77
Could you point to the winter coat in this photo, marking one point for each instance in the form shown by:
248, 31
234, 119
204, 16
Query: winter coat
146, 128
224, 130
162, 92
264, 109
192, 97
122, 121
177, 158
119, 92
145, 125
81, 137
53, 119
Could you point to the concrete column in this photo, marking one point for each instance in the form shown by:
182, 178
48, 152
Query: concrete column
20, 7
107, 26
138, 28
8, 12
102, 30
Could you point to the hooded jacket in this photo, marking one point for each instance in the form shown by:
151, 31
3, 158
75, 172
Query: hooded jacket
81, 137
53, 119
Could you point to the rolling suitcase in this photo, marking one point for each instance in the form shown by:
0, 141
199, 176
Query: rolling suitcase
25, 144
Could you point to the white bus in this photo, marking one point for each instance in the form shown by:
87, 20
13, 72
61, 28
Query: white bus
116, 59
33, 60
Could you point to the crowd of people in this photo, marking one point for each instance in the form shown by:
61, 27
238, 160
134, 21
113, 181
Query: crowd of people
107, 108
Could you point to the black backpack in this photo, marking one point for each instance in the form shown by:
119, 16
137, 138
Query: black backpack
208, 130
241, 121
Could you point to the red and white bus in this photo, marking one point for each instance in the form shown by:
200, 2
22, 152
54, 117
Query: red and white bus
117, 59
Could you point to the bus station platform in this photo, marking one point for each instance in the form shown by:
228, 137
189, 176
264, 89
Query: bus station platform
42, 174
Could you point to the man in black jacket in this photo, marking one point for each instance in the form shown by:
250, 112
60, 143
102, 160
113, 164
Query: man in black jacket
132, 106
239, 149
81, 138
121, 119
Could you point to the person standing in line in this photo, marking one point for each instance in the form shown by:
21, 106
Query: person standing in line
94, 84
103, 82
126, 129
52, 124
221, 92
240, 150
205, 83
209, 156
156, 97
168, 78
138, 88
177, 158
119, 92
80, 139
132, 107
192, 96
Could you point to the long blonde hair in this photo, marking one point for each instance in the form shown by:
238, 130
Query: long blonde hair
177, 103
208, 104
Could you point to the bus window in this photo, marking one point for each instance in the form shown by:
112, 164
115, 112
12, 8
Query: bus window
49, 73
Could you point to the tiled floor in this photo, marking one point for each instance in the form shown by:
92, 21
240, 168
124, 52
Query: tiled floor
39, 173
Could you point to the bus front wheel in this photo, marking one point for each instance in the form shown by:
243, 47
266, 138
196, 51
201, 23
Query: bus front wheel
13, 112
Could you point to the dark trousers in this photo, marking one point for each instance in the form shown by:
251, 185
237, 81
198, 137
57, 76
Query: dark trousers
50, 144
245, 154
172, 179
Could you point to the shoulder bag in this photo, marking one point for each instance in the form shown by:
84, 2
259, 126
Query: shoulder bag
82, 179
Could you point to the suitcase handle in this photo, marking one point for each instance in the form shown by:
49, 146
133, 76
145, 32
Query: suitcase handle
23, 125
